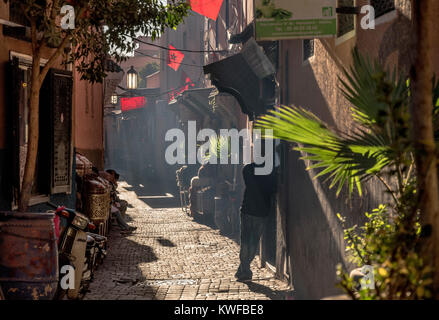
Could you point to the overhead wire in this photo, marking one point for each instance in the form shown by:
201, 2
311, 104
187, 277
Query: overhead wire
166, 60
182, 50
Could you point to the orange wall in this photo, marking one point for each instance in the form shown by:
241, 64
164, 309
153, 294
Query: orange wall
8, 44
88, 123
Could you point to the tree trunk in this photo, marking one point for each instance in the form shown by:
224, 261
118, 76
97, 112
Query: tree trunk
422, 120
33, 136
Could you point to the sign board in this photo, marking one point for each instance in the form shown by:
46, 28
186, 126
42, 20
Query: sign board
133, 103
295, 19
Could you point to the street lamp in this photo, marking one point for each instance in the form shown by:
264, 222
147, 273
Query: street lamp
114, 99
132, 79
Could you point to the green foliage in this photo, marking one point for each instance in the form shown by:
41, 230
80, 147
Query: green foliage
390, 244
101, 27
218, 146
377, 145
147, 70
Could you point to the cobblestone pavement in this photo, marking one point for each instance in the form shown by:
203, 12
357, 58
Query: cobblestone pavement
172, 257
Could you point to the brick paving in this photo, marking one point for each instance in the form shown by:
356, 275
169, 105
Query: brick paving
172, 257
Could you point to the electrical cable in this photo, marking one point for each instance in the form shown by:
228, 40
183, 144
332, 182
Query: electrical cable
158, 58
182, 50
165, 92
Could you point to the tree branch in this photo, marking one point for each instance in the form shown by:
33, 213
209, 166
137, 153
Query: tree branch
52, 59
59, 50
388, 188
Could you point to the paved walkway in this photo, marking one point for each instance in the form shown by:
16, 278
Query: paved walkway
172, 257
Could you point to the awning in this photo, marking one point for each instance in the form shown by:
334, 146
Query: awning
197, 100
245, 35
225, 105
248, 76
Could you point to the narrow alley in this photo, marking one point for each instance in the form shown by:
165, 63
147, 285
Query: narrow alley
267, 150
172, 257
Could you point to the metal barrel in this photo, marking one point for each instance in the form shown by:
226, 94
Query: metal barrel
28, 256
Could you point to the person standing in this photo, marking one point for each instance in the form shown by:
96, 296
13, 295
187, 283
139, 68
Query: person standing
255, 208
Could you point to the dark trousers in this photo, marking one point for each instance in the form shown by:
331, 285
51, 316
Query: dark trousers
252, 228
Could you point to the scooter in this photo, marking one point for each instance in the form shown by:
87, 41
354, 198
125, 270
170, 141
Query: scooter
72, 247
96, 251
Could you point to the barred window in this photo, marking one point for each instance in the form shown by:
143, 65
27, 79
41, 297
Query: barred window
382, 6
345, 22
16, 14
308, 49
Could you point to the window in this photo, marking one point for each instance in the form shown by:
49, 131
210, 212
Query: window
308, 49
54, 158
20, 98
17, 16
382, 6
345, 22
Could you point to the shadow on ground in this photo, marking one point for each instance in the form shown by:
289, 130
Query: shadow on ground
154, 194
268, 292
165, 242
122, 263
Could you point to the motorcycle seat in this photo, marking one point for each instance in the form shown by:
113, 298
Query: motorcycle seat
97, 237
90, 239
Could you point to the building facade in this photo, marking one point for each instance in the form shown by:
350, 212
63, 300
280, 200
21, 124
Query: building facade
312, 242
70, 119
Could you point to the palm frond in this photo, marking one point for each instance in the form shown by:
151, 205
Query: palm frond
381, 140
375, 93
345, 160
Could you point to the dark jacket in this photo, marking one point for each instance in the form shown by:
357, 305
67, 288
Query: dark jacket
259, 191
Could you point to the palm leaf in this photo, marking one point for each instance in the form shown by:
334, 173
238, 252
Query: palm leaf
379, 104
345, 160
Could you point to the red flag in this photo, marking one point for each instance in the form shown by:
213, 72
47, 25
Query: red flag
132, 103
207, 8
187, 85
175, 58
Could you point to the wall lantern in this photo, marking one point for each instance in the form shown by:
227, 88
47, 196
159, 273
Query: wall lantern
114, 99
132, 78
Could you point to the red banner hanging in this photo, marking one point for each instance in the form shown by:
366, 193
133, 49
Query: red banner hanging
175, 58
207, 8
132, 103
